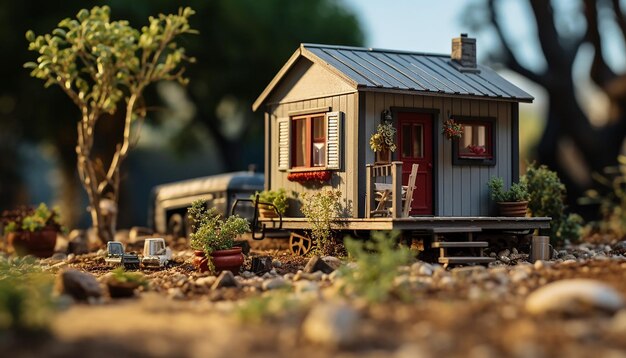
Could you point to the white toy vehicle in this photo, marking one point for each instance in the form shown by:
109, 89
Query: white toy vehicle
155, 253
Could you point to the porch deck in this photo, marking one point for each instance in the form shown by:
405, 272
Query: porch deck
421, 223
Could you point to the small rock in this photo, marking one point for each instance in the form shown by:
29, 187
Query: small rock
261, 264
247, 274
518, 276
277, 264
505, 259
332, 261
77, 284
331, 324
58, 256
306, 286
539, 264
275, 283
175, 293
574, 297
225, 279
505, 252
206, 281
465, 272
422, 268
317, 264
71, 258
569, 257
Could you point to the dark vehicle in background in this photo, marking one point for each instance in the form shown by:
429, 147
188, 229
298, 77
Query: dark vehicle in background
169, 202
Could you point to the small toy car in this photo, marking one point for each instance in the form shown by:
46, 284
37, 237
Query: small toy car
115, 255
155, 253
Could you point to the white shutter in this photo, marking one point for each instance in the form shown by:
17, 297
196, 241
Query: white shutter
333, 140
284, 142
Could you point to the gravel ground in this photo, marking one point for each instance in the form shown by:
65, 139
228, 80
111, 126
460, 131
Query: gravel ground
472, 311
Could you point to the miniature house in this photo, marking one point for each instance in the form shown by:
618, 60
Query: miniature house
325, 103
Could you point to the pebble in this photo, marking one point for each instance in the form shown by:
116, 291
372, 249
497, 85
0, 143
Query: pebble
225, 279
332, 261
306, 286
79, 285
317, 264
58, 256
422, 268
206, 281
539, 264
277, 264
573, 297
518, 275
275, 283
175, 293
332, 325
412, 350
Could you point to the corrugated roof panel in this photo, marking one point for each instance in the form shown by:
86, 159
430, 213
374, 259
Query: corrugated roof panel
452, 87
414, 71
398, 76
356, 76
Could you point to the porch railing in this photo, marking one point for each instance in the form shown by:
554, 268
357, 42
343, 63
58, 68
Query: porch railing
384, 177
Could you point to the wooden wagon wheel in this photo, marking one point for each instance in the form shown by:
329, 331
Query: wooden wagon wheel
300, 244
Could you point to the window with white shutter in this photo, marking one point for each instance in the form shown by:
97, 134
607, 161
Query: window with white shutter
310, 141
283, 144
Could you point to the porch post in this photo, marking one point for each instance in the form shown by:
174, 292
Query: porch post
368, 190
396, 182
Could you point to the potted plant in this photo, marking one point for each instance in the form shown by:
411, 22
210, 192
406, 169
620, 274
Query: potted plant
122, 283
276, 197
512, 202
452, 129
31, 231
382, 142
213, 237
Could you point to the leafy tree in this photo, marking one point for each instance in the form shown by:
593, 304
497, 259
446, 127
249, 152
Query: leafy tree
99, 63
560, 38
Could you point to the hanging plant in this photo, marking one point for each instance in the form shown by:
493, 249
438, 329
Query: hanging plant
320, 176
383, 139
452, 129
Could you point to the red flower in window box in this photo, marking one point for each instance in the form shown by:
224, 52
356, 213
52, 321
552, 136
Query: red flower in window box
477, 149
320, 176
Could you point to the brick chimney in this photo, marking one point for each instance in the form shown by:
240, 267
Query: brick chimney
464, 53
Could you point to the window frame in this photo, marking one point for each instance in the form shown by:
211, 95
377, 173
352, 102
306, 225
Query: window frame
310, 141
491, 125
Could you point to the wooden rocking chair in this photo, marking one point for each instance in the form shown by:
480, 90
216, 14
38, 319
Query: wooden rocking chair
384, 196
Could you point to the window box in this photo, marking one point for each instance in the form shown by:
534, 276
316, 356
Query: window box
304, 177
477, 144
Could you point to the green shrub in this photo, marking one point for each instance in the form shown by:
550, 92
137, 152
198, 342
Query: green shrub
276, 197
26, 303
547, 195
210, 232
321, 208
122, 276
377, 262
29, 219
517, 192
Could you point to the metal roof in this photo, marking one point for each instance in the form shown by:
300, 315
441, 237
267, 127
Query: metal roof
221, 182
368, 68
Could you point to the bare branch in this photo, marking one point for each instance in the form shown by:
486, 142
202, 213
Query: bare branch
510, 60
600, 72
558, 58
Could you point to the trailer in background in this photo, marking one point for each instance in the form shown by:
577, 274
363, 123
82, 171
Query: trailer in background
169, 202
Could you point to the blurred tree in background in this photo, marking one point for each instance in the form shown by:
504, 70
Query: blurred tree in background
570, 142
241, 45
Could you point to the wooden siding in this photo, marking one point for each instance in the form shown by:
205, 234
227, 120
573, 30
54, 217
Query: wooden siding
344, 179
306, 80
459, 190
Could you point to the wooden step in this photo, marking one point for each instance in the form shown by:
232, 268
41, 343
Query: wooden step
454, 230
454, 244
466, 260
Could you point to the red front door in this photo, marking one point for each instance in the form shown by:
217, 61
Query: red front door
415, 146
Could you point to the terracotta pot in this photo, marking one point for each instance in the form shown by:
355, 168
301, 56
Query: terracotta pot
121, 289
200, 261
267, 212
37, 243
383, 157
230, 259
513, 209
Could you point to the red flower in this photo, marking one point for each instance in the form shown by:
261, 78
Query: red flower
304, 177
